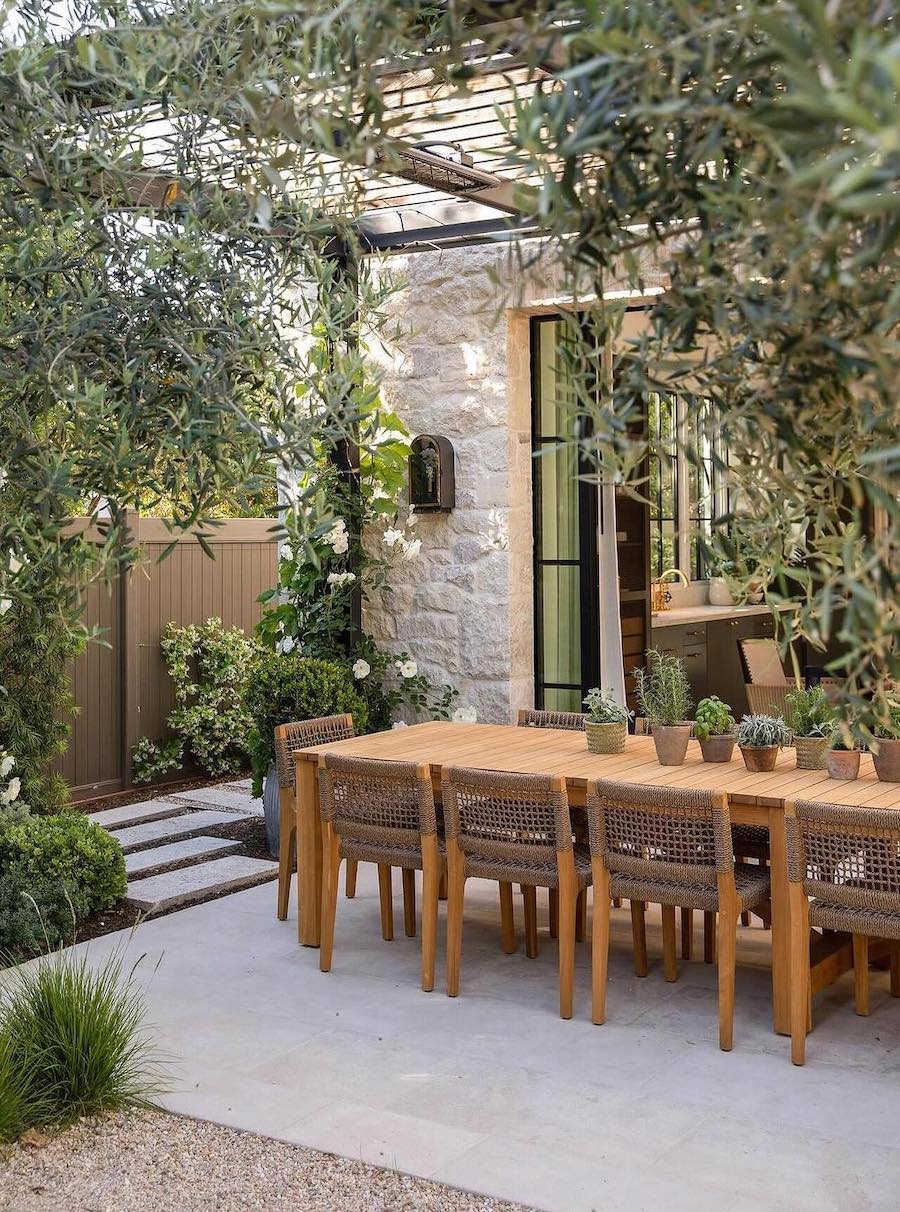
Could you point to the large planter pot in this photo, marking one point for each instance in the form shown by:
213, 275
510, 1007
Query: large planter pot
606, 738
718, 748
759, 758
811, 752
719, 593
887, 761
671, 741
272, 809
842, 763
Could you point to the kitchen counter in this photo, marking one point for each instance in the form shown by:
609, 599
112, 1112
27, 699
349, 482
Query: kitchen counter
707, 614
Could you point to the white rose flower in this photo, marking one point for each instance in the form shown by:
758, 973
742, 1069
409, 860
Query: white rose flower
12, 791
5, 604
407, 669
15, 565
361, 669
286, 644
393, 537
399, 724
6, 765
411, 548
338, 579
341, 544
287, 552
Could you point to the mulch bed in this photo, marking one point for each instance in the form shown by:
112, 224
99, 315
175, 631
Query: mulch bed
137, 795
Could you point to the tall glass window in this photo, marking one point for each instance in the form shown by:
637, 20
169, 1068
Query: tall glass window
565, 534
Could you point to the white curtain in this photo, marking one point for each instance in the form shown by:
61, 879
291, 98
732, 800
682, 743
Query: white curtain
612, 668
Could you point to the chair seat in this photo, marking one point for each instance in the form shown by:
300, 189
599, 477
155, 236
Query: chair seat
540, 875
409, 857
752, 884
874, 923
750, 841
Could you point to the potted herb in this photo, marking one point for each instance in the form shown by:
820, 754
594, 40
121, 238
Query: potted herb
719, 591
664, 694
759, 738
714, 729
606, 724
810, 717
887, 738
842, 759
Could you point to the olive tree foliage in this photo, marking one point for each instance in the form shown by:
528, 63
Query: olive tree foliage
745, 160
175, 204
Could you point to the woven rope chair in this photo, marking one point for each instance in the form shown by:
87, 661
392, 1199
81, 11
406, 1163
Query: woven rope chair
381, 812
848, 861
288, 737
566, 721
513, 828
670, 846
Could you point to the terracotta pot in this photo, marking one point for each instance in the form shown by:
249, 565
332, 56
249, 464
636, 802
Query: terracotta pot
811, 752
842, 763
718, 748
671, 741
887, 761
759, 758
606, 738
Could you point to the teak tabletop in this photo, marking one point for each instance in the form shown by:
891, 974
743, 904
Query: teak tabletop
754, 798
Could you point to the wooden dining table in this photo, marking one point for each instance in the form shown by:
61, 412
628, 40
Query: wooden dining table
754, 799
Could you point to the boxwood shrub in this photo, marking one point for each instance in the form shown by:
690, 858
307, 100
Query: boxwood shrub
283, 687
55, 871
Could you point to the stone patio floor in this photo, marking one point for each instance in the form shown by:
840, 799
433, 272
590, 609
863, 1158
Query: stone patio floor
492, 1092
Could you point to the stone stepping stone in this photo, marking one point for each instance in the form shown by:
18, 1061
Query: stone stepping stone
173, 828
134, 814
172, 888
160, 858
222, 797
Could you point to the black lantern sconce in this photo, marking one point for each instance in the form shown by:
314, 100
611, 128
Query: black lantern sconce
432, 484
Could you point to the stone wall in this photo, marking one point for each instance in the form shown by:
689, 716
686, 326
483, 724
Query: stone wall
460, 367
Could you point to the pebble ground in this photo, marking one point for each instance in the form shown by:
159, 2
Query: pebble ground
150, 1161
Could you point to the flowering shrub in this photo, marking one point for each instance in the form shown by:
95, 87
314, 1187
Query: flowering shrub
12, 807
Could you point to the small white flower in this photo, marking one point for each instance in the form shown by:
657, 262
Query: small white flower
6, 765
337, 580
3, 477
361, 669
407, 669
12, 791
341, 544
393, 537
286, 644
5, 604
411, 548
280, 627
337, 538
465, 715
287, 552
15, 565
399, 724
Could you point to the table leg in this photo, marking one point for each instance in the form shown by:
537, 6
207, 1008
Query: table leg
309, 855
781, 924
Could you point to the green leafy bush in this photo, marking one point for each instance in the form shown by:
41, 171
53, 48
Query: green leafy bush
71, 1043
762, 731
713, 718
602, 708
287, 686
808, 713
663, 689
208, 665
54, 871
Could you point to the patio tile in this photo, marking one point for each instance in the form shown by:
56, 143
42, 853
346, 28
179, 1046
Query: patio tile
140, 862
173, 828
134, 814
223, 797
230, 1098
170, 888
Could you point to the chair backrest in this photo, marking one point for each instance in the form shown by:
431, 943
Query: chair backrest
301, 733
641, 726
845, 856
567, 721
762, 662
671, 834
518, 818
765, 699
381, 803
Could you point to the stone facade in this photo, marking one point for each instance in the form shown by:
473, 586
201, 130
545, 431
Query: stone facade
460, 367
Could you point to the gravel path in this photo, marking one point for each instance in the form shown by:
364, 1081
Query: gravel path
149, 1161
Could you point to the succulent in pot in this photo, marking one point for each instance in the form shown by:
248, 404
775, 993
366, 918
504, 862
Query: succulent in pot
887, 739
810, 717
664, 695
759, 738
606, 722
714, 729
842, 758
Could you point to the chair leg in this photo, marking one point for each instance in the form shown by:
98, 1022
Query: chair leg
861, 973
687, 933
670, 960
709, 937
599, 942
507, 919
800, 982
386, 896
895, 972
331, 863
287, 837
580, 915
350, 879
727, 948
639, 937
568, 896
617, 902
456, 890
554, 913
442, 890
432, 869
529, 900
409, 902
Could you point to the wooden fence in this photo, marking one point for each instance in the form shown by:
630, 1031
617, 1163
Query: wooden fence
123, 691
